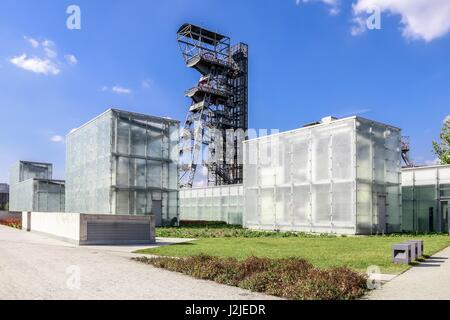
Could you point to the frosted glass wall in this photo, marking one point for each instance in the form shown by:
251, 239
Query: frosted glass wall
124, 163
225, 203
31, 188
37, 195
378, 159
426, 190
24, 170
21, 196
326, 178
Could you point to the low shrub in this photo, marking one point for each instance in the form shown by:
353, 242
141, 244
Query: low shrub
13, 223
206, 224
221, 230
291, 278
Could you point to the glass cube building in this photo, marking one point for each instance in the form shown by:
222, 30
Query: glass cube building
24, 170
124, 163
336, 176
426, 198
224, 204
33, 190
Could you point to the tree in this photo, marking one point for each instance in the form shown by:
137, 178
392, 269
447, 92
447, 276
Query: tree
442, 148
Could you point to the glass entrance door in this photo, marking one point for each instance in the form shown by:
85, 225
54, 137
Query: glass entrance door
444, 210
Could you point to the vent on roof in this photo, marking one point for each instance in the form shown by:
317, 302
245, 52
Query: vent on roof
328, 119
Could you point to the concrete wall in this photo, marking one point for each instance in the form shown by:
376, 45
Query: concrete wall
64, 226
90, 229
26, 221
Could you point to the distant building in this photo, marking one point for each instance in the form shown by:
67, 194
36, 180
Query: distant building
426, 198
33, 189
126, 164
4, 196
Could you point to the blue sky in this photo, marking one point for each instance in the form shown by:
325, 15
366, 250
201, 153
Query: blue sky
309, 59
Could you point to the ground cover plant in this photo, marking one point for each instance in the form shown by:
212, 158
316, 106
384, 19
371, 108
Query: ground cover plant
356, 253
13, 223
202, 229
290, 278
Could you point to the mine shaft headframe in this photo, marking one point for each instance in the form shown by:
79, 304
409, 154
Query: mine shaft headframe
195, 41
406, 148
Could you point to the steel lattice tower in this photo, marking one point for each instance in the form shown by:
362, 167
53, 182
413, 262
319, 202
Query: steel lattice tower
406, 148
219, 108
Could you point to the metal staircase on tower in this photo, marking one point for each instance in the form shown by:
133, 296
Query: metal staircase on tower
218, 110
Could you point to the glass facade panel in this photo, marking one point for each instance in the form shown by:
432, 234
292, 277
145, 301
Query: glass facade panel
324, 178
224, 204
37, 195
33, 190
120, 162
424, 189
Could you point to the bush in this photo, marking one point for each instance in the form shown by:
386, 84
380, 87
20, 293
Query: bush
205, 229
13, 223
291, 278
197, 230
205, 224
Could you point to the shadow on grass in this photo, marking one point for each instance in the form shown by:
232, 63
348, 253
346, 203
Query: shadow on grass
184, 244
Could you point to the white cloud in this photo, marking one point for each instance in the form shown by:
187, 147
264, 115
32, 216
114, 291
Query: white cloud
57, 139
420, 19
121, 90
44, 59
147, 84
117, 89
36, 65
359, 26
50, 53
48, 43
333, 4
33, 42
71, 59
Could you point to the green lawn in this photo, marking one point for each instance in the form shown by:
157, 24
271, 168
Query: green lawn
357, 253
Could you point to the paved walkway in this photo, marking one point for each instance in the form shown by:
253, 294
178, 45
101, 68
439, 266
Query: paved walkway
38, 267
428, 281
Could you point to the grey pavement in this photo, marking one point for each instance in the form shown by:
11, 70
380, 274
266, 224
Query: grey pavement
38, 267
429, 280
